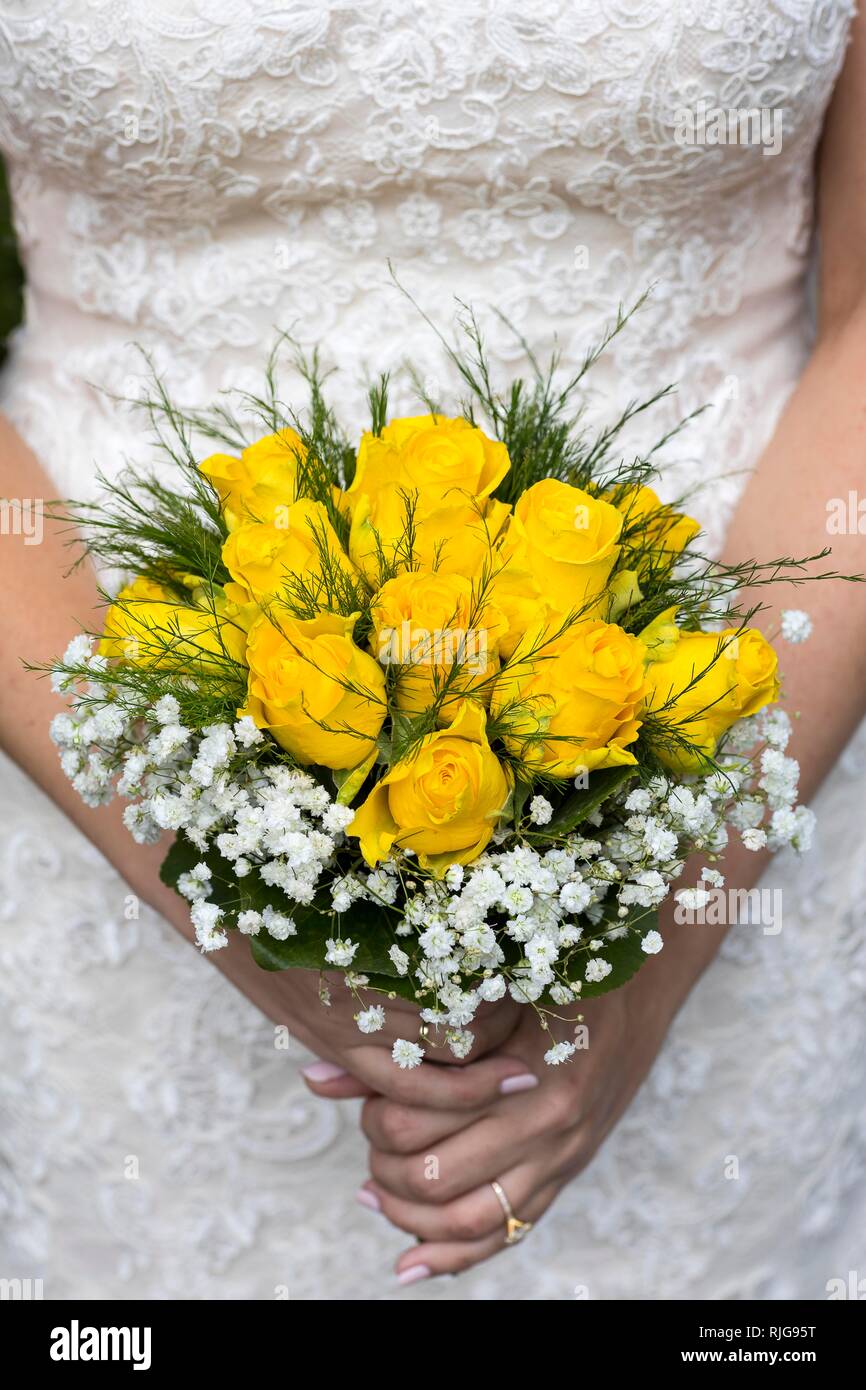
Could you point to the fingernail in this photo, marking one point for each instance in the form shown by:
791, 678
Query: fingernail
323, 1071
413, 1274
524, 1082
368, 1199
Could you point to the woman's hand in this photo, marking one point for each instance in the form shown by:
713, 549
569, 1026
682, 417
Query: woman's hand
432, 1167
435, 1150
352, 1063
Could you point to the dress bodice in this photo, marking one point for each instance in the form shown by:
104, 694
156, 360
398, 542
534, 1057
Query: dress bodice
192, 176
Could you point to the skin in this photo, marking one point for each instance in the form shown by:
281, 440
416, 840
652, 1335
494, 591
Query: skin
541, 1130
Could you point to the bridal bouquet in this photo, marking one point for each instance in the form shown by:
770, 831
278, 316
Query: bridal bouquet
444, 708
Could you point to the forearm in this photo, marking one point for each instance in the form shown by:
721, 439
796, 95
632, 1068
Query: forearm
43, 608
816, 454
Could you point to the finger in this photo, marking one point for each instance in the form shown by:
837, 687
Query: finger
408, 1129
433, 1258
333, 1082
473, 1216
472, 1087
464, 1161
457, 1164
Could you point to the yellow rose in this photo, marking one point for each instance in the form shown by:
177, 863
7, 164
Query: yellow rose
477, 539
320, 695
147, 626
657, 528
262, 482
461, 539
568, 540
235, 618
516, 589
420, 465
426, 623
701, 683
443, 801
456, 536
470, 538
432, 455
572, 702
263, 559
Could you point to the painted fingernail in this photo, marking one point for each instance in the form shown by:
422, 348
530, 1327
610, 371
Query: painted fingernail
414, 1274
323, 1071
368, 1199
524, 1082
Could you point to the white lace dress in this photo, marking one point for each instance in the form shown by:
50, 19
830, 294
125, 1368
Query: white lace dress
191, 175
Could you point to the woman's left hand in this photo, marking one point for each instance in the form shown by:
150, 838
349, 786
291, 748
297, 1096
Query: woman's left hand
432, 1169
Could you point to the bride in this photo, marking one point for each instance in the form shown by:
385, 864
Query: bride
191, 176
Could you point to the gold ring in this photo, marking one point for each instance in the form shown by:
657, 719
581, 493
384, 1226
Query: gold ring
515, 1229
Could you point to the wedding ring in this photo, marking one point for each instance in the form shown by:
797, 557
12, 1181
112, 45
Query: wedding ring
515, 1229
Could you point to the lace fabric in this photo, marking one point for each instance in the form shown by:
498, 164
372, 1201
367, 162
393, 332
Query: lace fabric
193, 177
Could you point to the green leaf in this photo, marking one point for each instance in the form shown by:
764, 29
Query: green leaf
583, 802
625, 953
364, 923
306, 951
372, 925
182, 857
519, 795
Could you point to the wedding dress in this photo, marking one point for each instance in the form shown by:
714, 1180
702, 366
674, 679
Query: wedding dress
192, 176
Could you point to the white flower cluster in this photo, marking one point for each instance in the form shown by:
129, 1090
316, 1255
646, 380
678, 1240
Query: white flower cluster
270, 820
520, 920
541, 907
796, 625
92, 730
557, 906
766, 813
274, 822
